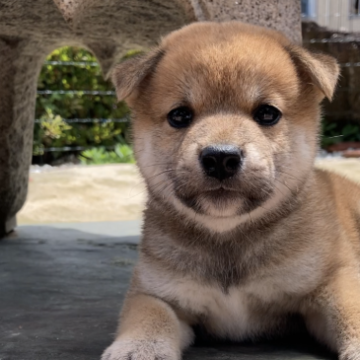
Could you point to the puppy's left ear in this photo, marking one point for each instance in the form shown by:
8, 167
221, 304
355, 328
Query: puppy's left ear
322, 69
129, 75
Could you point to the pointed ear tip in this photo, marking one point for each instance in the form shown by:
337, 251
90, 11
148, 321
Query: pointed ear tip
113, 74
120, 95
116, 77
330, 92
337, 68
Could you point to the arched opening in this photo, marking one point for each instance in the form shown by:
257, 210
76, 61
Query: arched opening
77, 117
79, 121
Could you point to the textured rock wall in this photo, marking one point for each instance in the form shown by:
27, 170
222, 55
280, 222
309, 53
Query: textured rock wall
29, 30
19, 69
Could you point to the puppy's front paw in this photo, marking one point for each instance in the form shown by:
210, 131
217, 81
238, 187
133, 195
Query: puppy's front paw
141, 350
350, 352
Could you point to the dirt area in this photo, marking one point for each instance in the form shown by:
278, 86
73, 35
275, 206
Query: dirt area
106, 192
83, 193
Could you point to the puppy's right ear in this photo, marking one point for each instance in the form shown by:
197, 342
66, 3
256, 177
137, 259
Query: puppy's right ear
323, 70
128, 75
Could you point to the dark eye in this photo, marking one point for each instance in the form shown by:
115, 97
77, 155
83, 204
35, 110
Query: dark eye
180, 117
267, 115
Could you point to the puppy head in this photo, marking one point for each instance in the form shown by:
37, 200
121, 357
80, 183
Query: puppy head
225, 118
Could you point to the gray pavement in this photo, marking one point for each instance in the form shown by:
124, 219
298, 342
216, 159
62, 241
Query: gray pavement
61, 289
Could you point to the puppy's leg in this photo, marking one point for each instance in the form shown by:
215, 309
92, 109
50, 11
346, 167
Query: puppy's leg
149, 330
334, 317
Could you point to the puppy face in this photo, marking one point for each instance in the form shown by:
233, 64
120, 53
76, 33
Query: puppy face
225, 118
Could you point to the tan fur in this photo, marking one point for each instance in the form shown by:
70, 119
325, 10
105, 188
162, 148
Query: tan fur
283, 238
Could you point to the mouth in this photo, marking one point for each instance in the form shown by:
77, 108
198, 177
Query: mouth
218, 197
221, 192
223, 198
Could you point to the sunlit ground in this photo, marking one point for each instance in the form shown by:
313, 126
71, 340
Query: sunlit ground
83, 193
106, 192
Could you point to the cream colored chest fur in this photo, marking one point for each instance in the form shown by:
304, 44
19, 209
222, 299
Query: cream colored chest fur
234, 313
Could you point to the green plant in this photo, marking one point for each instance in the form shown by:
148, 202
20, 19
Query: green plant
122, 153
51, 130
334, 133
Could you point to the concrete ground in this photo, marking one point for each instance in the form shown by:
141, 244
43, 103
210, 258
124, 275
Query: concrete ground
106, 192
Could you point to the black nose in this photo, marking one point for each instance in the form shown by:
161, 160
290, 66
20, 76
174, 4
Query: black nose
221, 161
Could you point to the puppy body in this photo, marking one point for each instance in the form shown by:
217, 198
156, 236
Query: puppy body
237, 256
264, 272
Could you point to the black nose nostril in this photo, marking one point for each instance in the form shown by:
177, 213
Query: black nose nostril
231, 163
221, 161
209, 163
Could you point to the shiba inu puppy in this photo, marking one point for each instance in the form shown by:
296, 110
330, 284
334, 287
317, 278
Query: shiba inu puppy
240, 230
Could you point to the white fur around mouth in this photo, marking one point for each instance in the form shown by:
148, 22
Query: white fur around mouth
220, 222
